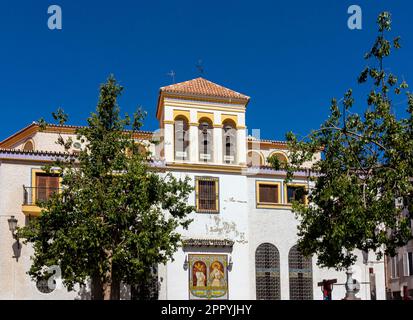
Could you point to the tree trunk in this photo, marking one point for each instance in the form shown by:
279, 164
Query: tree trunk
109, 290
96, 288
111, 286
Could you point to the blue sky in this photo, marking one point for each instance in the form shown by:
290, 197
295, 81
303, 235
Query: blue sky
291, 57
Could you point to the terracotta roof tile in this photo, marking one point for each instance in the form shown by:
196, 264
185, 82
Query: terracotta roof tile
37, 152
203, 87
267, 140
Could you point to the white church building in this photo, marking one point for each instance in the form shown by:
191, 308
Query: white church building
242, 241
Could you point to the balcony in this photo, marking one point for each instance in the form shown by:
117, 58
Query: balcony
32, 196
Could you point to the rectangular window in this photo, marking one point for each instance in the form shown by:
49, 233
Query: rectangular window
46, 185
408, 264
394, 267
207, 195
267, 193
295, 193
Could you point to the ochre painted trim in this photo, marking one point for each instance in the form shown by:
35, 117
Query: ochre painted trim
268, 144
305, 186
195, 124
216, 181
62, 130
27, 132
231, 117
259, 153
194, 105
257, 194
25, 161
168, 122
218, 126
184, 113
30, 210
201, 98
203, 167
29, 140
19, 136
275, 206
236, 105
207, 115
280, 153
241, 127
233, 101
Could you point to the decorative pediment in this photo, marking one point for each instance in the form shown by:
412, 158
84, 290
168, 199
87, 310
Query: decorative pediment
208, 243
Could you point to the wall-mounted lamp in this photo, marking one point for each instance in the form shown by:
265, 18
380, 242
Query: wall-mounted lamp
230, 263
16, 246
13, 227
186, 263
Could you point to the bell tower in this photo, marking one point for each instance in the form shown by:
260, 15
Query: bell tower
203, 123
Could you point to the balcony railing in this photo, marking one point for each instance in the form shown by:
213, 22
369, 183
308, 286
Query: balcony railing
33, 195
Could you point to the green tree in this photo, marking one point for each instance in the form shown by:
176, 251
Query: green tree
116, 216
366, 164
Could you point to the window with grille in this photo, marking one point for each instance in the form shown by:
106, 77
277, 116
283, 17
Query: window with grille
296, 193
268, 193
207, 194
267, 272
301, 275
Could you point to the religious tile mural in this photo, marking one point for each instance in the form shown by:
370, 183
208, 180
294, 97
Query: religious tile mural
208, 277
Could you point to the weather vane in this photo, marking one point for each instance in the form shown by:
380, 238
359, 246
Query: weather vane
172, 75
200, 67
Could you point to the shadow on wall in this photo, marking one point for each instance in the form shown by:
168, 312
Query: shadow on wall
17, 248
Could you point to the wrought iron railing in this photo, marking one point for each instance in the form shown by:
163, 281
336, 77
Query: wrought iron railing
34, 195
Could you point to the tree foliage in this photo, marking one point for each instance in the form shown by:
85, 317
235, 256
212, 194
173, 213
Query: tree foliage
366, 164
115, 216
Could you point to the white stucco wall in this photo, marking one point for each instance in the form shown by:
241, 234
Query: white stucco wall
231, 223
279, 227
14, 281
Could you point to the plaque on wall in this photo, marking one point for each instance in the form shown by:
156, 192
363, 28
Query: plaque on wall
208, 277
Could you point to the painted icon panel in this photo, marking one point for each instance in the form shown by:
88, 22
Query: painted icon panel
208, 277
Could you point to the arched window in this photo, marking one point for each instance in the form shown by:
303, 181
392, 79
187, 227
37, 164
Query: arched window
267, 272
229, 142
301, 275
181, 138
28, 146
205, 134
254, 159
282, 158
143, 150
